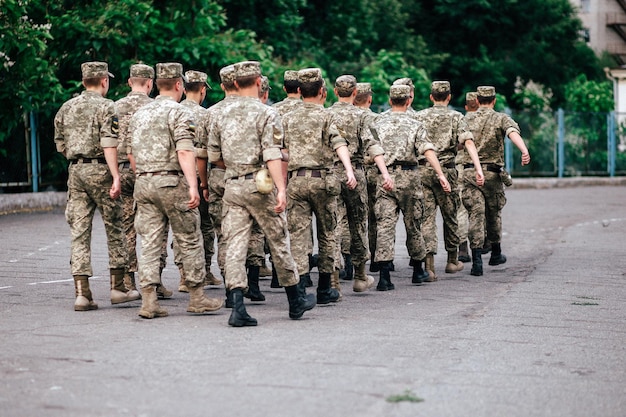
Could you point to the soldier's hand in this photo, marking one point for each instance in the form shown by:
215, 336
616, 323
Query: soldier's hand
388, 183
194, 198
525, 158
205, 194
281, 201
116, 189
480, 178
351, 182
445, 184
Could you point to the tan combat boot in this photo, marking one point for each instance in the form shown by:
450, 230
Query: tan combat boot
182, 287
334, 283
211, 279
129, 282
199, 303
362, 282
150, 307
119, 294
84, 299
429, 266
453, 265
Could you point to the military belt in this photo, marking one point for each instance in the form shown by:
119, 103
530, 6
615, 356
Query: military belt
489, 167
124, 165
403, 167
88, 161
424, 162
159, 173
302, 172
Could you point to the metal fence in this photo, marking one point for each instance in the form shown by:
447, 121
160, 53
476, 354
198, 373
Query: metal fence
561, 144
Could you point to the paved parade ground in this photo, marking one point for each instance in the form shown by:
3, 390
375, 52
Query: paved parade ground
541, 335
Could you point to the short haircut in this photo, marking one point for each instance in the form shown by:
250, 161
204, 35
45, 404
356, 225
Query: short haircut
399, 101
194, 87
311, 89
485, 100
247, 81
92, 82
139, 81
439, 96
167, 84
361, 98
291, 86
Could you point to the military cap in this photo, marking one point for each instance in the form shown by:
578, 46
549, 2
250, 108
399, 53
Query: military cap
486, 91
170, 70
404, 81
227, 74
345, 84
290, 75
440, 87
399, 92
141, 71
95, 69
471, 96
197, 77
309, 75
247, 68
265, 84
364, 88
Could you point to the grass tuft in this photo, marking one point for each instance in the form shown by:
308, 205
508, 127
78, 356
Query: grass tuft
407, 396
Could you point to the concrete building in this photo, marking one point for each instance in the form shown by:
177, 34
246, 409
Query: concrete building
604, 23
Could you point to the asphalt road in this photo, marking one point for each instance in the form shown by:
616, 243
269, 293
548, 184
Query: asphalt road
542, 335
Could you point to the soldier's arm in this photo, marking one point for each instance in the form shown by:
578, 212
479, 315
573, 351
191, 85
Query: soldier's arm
431, 156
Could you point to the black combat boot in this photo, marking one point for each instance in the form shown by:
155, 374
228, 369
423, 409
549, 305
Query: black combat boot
326, 294
229, 299
254, 292
274, 283
419, 275
374, 266
477, 262
384, 283
463, 253
239, 317
497, 257
299, 302
348, 267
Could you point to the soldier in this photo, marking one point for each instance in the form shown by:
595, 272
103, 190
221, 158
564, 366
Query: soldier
290, 86
446, 130
140, 83
195, 92
247, 135
166, 190
404, 139
85, 132
409, 82
471, 104
484, 204
352, 121
312, 139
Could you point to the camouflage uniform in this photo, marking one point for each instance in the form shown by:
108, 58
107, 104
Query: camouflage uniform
311, 137
446, 129
125, 108
403, 139
84, 125
288, 104
484, 204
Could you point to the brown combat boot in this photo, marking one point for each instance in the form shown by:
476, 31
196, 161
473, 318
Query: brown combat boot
429, 266
211, 279
335, 283
129, 282
453, 265
150, 307
182, 287
199, 303
84, 299
362, 282
119, 293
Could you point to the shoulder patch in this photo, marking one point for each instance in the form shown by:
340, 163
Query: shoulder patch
115, 126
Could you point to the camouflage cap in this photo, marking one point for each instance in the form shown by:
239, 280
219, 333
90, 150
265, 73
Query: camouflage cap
247, 69
471, 96
227, 74
309, 75
440, 87
141, 71
265, 84
197, 77
95, 69
486, 91
399, 92
364, 88
345, 84
404, 81
290, 75
170, 70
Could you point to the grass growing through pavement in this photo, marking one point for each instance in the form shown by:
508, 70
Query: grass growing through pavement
585, 303
407, 396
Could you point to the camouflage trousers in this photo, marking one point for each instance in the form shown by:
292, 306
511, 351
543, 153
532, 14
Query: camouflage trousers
448, 204
216, 192
307, 196
343, 227
127, 177
256, 247
461, 216
242, 205
371, 175
162, 200
88, 188
406, 197
355, 202
484, 207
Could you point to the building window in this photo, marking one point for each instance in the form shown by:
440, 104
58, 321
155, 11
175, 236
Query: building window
584, 35
585, 6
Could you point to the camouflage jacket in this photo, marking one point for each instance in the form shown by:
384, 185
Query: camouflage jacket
125, 108
158, 130
287, 105
84, 125
446, 129
489, 129
199, 114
